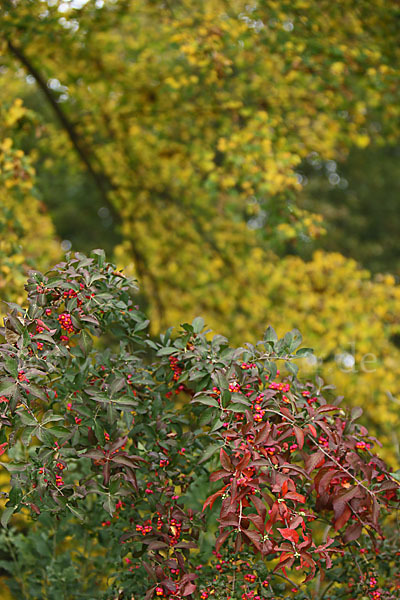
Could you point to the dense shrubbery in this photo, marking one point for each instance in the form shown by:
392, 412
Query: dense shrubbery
113, 438
206, 115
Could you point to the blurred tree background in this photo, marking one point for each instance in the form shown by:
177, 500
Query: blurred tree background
239, 158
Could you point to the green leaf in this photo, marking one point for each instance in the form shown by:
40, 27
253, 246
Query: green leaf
109, 504
44, 436
35, 391
237, 408
272, 369
50, 417
117, 385
15, 496
206, 416
77, 512
100, 255
125, 401
151, 344
7, 386
27, 436
26, 418
12, 366
218, 341
167, 351
59, 431
221, 381
270, 335
209, 452
198, 324
296, 339
206, 400
141, 326
44, 337
85, 342
6, 515
292, 368
396, 475
99, 431
304, 352
15, 323
356, 413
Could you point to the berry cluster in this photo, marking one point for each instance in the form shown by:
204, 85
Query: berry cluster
66, 322
68, 294
256, 406
145, 528
173, 362
246, 366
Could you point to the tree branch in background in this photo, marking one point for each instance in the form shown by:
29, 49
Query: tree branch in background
102, 182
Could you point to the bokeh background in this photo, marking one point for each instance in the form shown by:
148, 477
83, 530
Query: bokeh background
241, 159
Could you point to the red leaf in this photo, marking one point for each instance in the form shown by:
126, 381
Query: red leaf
35, 508
257, 522
231, 519
295, 496
243, 462
221, 539
327, 408
157, 545
314, 461
119, 443
309, 561
312, 429
3, 448
343, 518
123, 461
299, 436
189, 589
263, 434
225, 460
286, 562
325, 480
260, 507
284, 488
219, 475
388, 485
254, 537
95, 454
289, 534
211, 499
353, 532
307, 558
296, 469
106, 473
228, 507
285, 411
168, 583
342, 498
186, 545
238, 542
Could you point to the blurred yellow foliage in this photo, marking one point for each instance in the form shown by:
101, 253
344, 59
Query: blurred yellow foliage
27, 236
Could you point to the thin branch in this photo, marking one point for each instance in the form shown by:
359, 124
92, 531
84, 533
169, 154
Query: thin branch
295, 585
101, 181
353, 477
